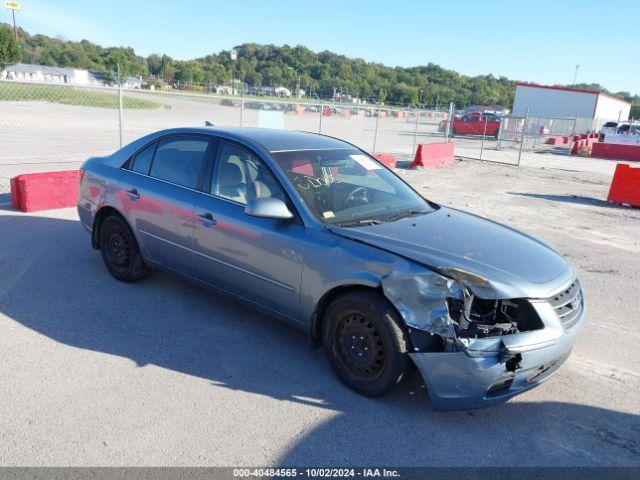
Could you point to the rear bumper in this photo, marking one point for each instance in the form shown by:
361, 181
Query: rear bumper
464, 380
85, 213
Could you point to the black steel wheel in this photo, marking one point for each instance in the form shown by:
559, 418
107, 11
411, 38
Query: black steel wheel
360, 346
365, 342
120, 251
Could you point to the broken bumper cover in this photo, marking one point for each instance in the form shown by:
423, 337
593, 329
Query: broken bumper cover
465, 380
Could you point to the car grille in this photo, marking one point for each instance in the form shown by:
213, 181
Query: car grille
568, 305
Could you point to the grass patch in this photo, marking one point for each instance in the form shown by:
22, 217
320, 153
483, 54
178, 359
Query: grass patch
20, 92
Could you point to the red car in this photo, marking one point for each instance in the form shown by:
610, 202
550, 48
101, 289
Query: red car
474, 123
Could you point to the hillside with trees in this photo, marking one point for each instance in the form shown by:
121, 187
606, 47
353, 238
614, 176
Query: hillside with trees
320, 74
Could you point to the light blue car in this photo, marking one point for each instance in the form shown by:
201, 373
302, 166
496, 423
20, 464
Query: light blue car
314, 231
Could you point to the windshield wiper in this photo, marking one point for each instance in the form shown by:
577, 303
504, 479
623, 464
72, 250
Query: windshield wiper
356, 223
405, 214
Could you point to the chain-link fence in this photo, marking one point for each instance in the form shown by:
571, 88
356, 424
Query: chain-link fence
511, 139
56, 127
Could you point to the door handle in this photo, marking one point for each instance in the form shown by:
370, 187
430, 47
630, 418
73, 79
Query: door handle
207, 219
133, 194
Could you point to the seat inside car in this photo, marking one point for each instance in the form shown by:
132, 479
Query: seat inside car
231, 183
264, 186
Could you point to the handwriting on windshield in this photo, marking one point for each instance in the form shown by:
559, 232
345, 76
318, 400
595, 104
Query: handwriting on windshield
317, 182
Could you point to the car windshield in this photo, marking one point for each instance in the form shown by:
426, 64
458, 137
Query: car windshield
349, 188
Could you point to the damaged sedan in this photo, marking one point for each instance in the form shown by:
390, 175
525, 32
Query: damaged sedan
316, 232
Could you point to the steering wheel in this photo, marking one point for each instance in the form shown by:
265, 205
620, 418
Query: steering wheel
358, 196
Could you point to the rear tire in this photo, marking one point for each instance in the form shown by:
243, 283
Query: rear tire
365, 343
120, 251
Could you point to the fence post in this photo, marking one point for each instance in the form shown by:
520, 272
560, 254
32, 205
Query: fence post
321, 115
447, 129
120, 111
524, 129
375, 133
575, 122
242, 109
502, 120
484, 133
415, 131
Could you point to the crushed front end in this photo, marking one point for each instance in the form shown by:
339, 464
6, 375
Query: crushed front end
475, 349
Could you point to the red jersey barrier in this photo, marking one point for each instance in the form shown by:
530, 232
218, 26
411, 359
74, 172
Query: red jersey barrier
619, 152
44, 191
388, 159
625, 186
433, 155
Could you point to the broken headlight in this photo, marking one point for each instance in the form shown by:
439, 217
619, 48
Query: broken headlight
480, 318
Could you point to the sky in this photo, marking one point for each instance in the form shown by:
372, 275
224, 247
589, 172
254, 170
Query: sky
538, 41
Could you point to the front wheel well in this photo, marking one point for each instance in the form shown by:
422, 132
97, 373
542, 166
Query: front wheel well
326, 300
417, 340
101, 216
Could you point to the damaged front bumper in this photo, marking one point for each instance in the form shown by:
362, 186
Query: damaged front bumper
489, 371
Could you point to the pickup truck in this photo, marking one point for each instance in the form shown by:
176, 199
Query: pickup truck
473, 123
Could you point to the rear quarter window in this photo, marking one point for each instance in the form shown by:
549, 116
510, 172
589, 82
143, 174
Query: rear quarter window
142, 161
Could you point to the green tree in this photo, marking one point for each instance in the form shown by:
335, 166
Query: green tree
320, 72
9, 51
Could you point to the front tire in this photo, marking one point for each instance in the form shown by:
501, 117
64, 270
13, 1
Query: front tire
120, 251
365, 343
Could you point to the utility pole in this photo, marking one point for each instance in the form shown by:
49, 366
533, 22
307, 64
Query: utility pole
13, 6
234, 56
575, 75
15, 30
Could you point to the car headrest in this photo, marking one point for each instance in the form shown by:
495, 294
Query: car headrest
230, 174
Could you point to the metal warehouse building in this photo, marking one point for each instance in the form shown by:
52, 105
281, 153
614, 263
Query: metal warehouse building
563, 102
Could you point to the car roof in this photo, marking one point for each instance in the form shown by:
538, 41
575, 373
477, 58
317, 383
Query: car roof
274, 140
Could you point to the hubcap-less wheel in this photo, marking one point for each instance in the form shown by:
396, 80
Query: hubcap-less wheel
360, 346
365, 343
118, 249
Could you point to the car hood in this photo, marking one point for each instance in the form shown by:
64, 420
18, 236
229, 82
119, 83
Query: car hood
485, 255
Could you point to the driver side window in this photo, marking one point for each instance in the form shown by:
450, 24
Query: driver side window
240, 176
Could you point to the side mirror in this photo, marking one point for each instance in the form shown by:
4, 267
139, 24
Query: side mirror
268, 208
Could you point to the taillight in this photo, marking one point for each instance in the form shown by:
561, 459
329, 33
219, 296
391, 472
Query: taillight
81, 175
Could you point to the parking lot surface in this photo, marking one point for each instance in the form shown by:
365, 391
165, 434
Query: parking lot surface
163, 372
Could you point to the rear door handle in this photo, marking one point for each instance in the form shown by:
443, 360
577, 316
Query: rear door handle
207, 219
133, 194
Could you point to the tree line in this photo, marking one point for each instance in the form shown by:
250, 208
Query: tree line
320, 74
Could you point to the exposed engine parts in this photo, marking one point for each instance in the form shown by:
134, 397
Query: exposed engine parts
479, 318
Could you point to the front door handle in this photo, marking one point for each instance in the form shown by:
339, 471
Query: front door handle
133, 194
207, 219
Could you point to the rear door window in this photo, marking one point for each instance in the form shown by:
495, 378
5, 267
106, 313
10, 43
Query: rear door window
180, 160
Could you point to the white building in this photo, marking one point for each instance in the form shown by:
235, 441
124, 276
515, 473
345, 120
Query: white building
564, 102
132, 83
45, 74
226, 90
282, 92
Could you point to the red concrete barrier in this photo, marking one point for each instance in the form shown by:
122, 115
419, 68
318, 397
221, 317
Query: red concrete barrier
577, 146
625, 186
618, 152
557, 140
44, 191
388, 159
433, 155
